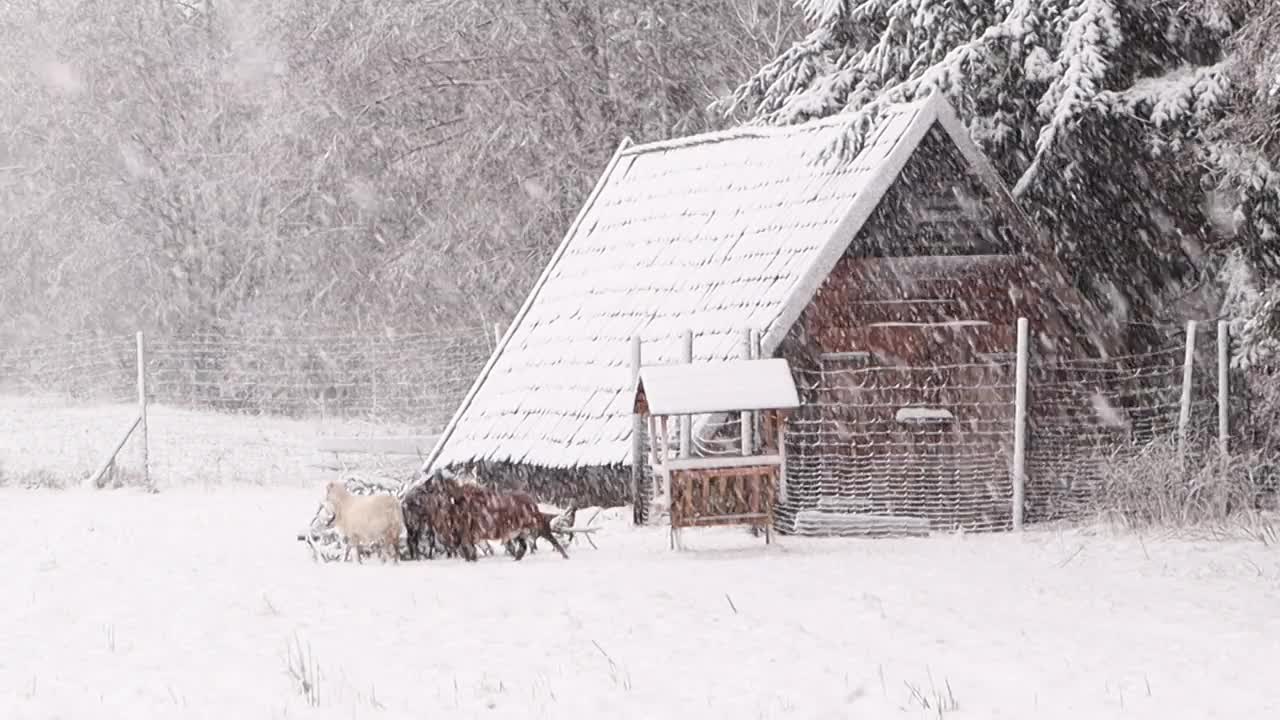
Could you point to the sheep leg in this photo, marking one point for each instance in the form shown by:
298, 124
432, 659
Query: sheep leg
414, 536
469, 549
544, 530
518, 548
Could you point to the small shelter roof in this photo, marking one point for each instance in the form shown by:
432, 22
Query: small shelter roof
715, 387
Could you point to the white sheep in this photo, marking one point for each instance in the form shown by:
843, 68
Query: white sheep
364, 520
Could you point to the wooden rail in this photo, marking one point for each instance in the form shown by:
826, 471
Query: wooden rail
741, 495
406, 445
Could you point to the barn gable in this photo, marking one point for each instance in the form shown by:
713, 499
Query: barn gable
941, 270
712, 233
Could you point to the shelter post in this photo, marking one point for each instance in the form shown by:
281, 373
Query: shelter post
748, 419
686, 421
639, 507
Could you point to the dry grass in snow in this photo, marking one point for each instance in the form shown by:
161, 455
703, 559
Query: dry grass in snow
199, 603
1153, 487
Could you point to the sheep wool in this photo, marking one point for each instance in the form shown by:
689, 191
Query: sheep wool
366, 520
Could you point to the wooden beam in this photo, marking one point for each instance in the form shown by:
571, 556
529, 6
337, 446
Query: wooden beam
106, 464
947, 216
703, 520
405, 445
859, 355
728, 461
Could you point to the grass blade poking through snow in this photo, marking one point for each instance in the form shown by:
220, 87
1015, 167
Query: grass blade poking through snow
305, 671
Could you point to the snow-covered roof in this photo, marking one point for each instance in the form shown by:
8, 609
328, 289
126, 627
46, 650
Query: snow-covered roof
715, 387
713, 233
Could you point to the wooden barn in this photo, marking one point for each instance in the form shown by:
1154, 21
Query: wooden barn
890, 279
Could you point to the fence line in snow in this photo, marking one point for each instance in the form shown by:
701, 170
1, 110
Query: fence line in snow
225, 407
984, 445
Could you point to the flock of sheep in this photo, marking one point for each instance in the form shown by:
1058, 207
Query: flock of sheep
437, 516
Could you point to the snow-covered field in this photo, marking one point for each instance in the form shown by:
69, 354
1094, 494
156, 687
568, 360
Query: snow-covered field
195, 603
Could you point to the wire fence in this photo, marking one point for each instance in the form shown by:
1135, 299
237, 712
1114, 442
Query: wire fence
873, 449
916, 449
222, 408
894, 450
1086, 415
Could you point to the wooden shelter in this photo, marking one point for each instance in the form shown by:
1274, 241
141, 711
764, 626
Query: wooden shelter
719, 490
907, 251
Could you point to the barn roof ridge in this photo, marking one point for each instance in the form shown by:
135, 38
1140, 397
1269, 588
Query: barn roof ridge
756, 132
680, 235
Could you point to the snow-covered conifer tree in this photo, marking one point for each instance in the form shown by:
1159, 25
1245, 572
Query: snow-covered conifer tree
1106, 116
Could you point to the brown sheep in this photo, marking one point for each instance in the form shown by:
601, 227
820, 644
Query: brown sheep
430, 514
461, 516
505, 517
364, 520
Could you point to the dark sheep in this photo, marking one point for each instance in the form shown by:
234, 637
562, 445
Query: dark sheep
459, 516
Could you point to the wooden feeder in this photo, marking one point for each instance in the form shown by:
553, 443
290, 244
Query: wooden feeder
736, 489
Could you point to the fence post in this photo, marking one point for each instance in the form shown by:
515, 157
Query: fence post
1184, 405
686, 421
638, 503
142, 411
748, 418
1224, 388
497, 335
373, 364
1020, 423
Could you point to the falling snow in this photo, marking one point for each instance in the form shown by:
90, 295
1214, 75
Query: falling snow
308, 215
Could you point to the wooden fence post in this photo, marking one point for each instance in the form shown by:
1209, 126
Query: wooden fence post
1184, 405
373, 364
748, 420
639, 506
1020, 424
1224, 388
686, 421
142, 412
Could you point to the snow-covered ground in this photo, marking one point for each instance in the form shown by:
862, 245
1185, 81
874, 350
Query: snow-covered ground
191, 603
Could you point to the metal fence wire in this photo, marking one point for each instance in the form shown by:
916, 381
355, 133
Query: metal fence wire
901, 449
873, 449
879, 450
223, 408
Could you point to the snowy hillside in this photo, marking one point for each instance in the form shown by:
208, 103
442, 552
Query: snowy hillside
121, 604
